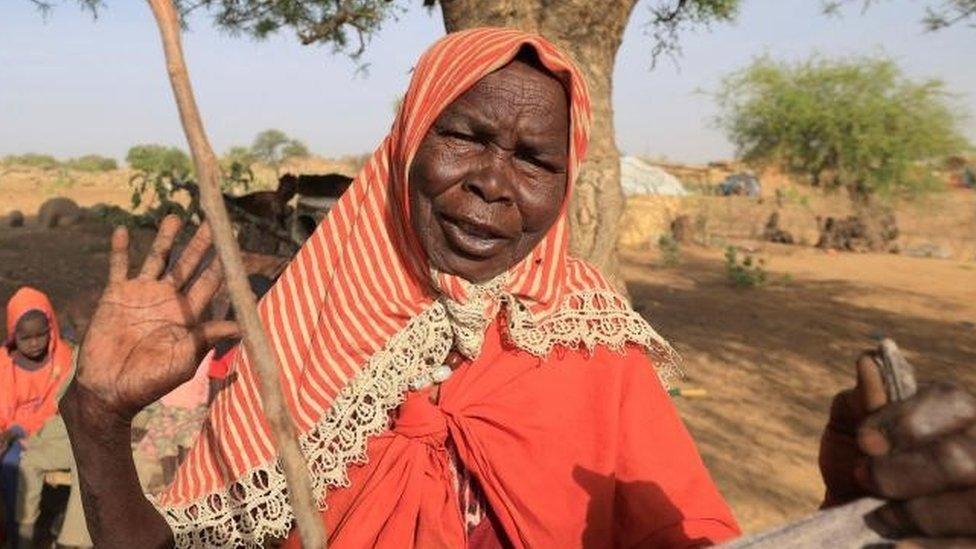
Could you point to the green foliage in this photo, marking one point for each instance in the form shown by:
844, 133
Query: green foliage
33, 160
859, 124
92, 163
274, 147
161, 159
746, 272
159, 172
938, 15
236, 167
669, 18
345, 24
670, 250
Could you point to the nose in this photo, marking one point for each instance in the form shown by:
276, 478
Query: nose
492, 184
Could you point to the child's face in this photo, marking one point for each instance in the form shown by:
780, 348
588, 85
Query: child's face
32, 336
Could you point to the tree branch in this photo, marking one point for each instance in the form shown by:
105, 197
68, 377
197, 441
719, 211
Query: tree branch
310, 526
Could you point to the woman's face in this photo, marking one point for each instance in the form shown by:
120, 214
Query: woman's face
32, 335
489, 178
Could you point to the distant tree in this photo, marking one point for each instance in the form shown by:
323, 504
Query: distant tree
92, 163
236, 166
33, 160
274, 147
856, 124
160, 170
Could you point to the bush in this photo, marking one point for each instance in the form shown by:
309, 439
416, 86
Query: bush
33, 160
159, 159
670, 250
92, 163
748, 272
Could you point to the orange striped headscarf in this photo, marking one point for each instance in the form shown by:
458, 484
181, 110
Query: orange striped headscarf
358, 314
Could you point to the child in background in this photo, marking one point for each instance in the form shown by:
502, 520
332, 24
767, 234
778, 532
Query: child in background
35, 365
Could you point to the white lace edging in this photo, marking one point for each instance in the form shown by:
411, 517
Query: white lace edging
248, 512
255, 508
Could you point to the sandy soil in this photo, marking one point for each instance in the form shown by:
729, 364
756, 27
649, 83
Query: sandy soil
770, 357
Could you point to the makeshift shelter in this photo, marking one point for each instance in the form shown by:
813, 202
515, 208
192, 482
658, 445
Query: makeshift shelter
637, 177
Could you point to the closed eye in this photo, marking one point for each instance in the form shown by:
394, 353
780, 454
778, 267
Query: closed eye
454, 134
527, 156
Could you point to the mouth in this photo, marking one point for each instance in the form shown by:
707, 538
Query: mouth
474, 239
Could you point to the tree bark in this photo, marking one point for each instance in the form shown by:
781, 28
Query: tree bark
590, 31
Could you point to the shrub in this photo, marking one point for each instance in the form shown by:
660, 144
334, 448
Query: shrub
670, 250
747, 272
92, 163
33, 160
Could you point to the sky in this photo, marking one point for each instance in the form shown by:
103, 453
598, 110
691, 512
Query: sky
71, 86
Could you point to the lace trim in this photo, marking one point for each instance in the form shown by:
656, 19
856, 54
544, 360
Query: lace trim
255, 509
250, 511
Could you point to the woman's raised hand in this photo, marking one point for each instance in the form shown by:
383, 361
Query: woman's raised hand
146, 336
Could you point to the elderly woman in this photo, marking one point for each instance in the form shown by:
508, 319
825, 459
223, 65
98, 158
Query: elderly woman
456, 379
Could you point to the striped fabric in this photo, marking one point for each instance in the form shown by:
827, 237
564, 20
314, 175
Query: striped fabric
359, 280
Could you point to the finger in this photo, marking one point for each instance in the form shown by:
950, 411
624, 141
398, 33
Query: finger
204, 288
209, 334
189, 260
155, 262
946, 515
946, 464
870, 384
118, 257
937, 410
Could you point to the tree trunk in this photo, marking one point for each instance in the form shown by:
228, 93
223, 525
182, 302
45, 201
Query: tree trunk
590, 31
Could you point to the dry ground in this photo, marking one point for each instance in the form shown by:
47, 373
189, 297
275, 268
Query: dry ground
770, 358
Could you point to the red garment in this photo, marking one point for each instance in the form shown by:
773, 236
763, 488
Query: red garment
29, 398
220, 367
574, 450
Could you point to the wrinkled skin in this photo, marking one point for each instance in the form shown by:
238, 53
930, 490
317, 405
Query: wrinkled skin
489, 178
146, 336
920, 453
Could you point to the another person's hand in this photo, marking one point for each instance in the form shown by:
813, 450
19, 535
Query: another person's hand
919, 453
146, 336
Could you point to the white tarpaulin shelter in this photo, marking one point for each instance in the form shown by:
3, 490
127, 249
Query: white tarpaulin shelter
638, 177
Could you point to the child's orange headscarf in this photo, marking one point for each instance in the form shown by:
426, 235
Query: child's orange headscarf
28, 399
358, 314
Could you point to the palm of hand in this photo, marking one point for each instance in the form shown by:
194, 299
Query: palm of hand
146, 336
141, 343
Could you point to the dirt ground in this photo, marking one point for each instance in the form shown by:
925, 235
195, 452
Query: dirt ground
770, 358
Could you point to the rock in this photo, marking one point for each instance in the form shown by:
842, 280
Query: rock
58, 212
14, 219
773, 233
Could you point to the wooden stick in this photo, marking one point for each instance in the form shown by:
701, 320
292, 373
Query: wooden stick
849, 525
303, 505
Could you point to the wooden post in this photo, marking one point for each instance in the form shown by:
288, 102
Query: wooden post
303, 505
